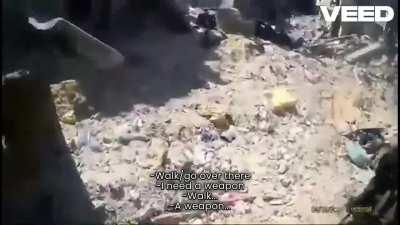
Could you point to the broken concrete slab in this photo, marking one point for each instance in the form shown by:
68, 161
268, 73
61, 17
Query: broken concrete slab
231, 21
83, 44
365, 53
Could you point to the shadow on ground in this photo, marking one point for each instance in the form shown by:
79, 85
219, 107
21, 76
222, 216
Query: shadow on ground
160, 65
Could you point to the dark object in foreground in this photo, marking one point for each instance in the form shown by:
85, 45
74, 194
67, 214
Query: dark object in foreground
370, 139
267, 32
380, 196
40, 184
212, 38
207, 20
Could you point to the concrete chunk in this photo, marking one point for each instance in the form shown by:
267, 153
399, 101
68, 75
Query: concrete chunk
364, 53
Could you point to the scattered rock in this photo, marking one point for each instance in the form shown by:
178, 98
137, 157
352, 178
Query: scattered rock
94, 145
117, 192
140, 137
171, 218
134, 194
98, 203
379, 62
230, 134
241, 207
222, 121
232, 198
213, 38
277, 202
69, 118
71, 104
155, 156
273, 195
285, 182
179, 154
311, 77
145, 214
283, 168
231, 21
107, 140
125, 139
126, 134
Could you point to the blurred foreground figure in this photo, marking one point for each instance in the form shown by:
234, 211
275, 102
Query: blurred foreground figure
40, 183
378, 203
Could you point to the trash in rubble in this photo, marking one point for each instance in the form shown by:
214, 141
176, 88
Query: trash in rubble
208, 135
207, 20
283, 101
370, 139
268, 32
69, 118
358, 155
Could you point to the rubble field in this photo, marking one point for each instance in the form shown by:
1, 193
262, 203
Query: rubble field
277, 114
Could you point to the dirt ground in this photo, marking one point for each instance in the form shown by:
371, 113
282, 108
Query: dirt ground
297, 160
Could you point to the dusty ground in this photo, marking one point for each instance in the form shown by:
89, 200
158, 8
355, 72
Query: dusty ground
297, 160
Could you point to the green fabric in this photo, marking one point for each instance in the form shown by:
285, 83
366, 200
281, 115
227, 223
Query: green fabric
358, 155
